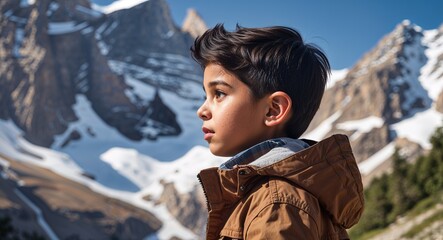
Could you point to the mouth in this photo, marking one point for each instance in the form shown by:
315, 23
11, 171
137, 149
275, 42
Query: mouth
208, 133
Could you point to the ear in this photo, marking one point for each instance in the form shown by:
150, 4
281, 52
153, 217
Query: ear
279, 109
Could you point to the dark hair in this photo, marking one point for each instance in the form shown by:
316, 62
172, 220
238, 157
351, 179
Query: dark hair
268, 60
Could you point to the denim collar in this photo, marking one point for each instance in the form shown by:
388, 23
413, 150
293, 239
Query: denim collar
251, 154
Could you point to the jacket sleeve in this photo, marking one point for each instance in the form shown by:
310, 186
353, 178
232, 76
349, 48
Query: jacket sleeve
280, 221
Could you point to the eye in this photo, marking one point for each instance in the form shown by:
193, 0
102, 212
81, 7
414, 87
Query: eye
219, 94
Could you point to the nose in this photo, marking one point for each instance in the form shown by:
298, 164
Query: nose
203, 112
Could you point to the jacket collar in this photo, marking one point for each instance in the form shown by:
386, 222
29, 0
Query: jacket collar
287, 146
326, 169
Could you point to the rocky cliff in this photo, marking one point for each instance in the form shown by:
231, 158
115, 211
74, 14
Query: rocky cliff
54, 50
194, 24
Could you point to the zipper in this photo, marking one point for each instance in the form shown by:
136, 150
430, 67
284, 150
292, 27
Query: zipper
207, 203
204, 192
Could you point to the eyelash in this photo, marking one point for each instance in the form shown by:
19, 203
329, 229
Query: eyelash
218, 94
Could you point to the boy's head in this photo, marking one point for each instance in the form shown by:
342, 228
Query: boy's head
267, 61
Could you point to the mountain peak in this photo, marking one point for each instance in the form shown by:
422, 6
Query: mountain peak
406, 22
406, 27
194, 24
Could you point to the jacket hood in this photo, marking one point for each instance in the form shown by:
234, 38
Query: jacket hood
326, 169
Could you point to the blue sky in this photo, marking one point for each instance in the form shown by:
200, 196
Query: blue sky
344, 29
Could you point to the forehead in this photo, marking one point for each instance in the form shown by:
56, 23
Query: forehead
216, 75
214, 71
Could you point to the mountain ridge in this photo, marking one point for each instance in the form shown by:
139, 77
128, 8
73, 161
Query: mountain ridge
390, 76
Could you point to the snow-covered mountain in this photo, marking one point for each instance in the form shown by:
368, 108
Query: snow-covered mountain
105, 96
85, 81
81, 79
388, 99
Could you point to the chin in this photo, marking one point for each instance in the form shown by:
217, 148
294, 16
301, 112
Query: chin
219, 152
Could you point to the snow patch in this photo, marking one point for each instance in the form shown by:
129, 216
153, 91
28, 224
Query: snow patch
52, 8
361, 126
139, 90
168, 35
128, 162
148, 173
57, 28
377, 159
13, 145
118, 5
420, 127
4, 163
431, 75
25, 3
87, 30
19, 35
104, 29
91, 12
336, 76
321, 130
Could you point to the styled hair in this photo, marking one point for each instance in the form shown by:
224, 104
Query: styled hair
268, 60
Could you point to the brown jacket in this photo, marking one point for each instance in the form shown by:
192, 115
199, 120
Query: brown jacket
316, 193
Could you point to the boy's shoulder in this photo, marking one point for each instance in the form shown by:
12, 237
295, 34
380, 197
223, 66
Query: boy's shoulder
270, 198
279, 190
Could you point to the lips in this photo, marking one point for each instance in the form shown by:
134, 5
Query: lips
208, 133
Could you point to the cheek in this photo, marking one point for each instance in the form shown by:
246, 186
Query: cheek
238, 119
227, 120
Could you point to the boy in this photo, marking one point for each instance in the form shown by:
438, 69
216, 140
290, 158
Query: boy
263, 87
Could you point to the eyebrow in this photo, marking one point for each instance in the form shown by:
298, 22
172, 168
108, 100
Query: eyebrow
216, 83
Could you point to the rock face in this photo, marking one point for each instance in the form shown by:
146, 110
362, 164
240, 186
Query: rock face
53, 50
189, 209
30, 74
194, 24
156, 32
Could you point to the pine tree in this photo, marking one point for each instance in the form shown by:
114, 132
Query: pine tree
402, 193
392, 195
436, 156
429, 169
377, 207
